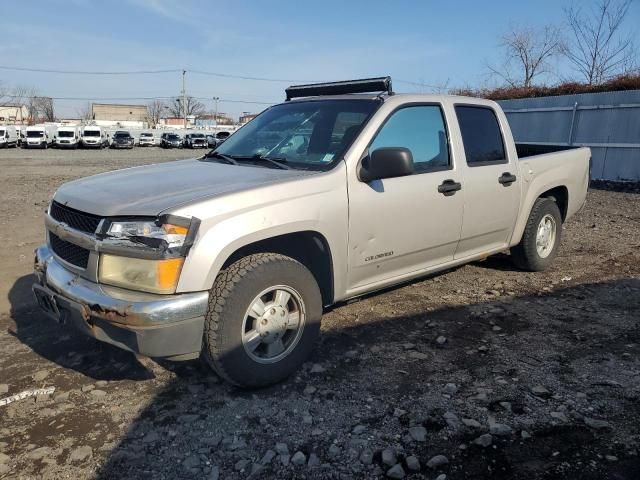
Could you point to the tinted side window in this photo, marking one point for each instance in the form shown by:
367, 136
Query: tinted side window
481, 135
421, 129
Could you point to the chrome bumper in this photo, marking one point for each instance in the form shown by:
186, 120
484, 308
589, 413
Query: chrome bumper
169, 326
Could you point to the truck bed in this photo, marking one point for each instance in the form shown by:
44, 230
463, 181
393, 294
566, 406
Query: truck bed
530, 149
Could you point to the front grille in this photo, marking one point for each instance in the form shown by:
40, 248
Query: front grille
69, 252
85, 222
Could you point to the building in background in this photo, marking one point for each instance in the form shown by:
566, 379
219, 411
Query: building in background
14, 114
120, 116
246, 117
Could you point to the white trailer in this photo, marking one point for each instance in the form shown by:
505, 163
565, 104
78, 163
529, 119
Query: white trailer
8, 136
94, 136
68, 137
40, 136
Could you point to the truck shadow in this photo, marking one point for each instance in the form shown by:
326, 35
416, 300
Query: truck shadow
66, 347
393, 361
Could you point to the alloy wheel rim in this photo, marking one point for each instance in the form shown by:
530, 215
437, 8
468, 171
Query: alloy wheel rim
546, 236
273, 324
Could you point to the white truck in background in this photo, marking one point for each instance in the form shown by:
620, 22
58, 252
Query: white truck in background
68, 137
40, 136
94, 136
8, 136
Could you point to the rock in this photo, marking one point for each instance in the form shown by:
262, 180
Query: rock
441, 340
256, 470
310, 390
358, 429
437, 461
317, 368
4, 469
61, 397
596, 424
4, 458
4, 388
452, 420
98, 393
37, 454
500, 429
87, 388
418, 355
409, 346
242, 464
214, 474
268, 457
525, 435
541, 391
559, 416
314, 461
389, 457
366, 457
307, 419
396, 472
299, 458
484, 440
413, 463
40, 375
496, 328
470, 422
151, 437
450, 388
282, 449
611, 458
398, 412
285, 459
419, 434
82, 454
334, 450
442, 476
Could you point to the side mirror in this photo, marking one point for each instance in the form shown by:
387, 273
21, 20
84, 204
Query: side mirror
386, 162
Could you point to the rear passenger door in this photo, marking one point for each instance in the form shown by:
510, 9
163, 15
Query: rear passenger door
491, 188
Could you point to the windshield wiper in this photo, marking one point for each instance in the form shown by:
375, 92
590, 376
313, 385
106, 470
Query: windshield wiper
278, 162
221, 156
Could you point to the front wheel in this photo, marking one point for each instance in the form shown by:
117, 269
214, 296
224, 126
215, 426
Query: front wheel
263, 319
541, 237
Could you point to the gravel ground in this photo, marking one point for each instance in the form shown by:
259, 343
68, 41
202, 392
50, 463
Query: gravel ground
482, 372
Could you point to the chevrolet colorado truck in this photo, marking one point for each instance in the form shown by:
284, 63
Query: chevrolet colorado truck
344, 189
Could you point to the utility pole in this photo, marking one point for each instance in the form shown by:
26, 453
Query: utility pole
215, 112
184, 99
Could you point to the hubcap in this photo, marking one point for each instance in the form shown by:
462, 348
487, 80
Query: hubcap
546, 236
273, 324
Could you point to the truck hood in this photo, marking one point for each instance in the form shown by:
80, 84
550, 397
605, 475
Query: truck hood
152, 189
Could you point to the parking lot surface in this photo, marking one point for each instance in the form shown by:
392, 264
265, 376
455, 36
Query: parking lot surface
481, 372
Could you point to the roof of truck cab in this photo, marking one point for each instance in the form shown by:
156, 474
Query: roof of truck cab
400, 98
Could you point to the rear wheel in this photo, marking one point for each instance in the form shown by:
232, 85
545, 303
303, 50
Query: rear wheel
541, 237
263, 319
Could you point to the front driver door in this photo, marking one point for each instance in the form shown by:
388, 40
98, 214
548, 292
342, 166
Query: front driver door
400, 226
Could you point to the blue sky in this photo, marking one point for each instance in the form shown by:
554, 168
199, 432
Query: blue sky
434, 43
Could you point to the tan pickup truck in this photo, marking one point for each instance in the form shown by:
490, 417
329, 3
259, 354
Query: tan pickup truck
332, 194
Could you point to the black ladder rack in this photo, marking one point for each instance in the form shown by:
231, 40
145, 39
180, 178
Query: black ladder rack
365, 85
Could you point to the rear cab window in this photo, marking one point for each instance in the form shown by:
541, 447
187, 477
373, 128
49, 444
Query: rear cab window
481, 135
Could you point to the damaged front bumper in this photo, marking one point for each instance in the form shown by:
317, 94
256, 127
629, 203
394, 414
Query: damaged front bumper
167, 326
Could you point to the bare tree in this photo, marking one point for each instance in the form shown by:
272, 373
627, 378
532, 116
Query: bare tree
598, 47
155, 110
528, 52
85, 113
194, 107
44, 109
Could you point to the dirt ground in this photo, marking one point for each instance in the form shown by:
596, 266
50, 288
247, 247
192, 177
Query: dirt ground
482, 372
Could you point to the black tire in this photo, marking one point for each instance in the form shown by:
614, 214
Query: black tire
525, 255
232, 294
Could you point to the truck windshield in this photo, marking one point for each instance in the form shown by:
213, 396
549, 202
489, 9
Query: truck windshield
65, 133
92, 133
121, 135
35, 134
1, 133
197, 135
305, 135
173, 137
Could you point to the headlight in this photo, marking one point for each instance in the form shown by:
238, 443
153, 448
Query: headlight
145, 255
169, 235
155, 276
